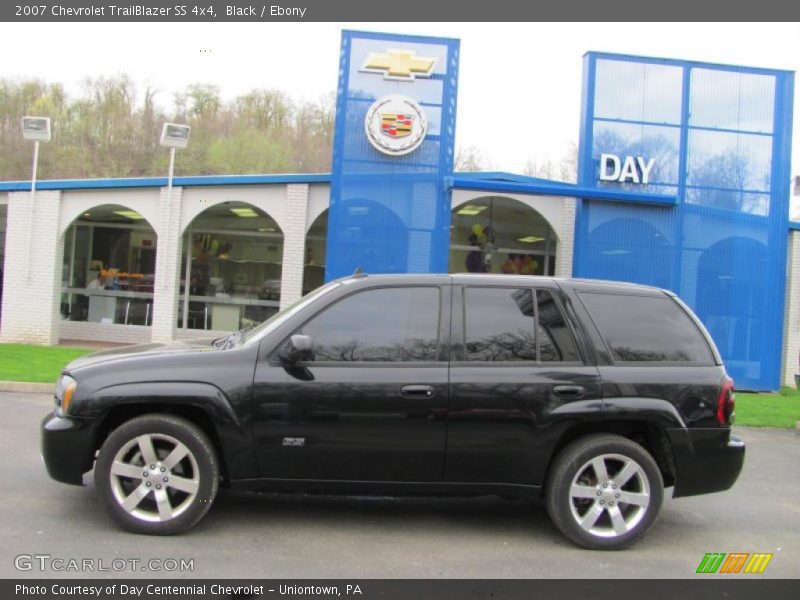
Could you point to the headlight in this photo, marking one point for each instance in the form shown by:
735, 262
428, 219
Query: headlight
65, 390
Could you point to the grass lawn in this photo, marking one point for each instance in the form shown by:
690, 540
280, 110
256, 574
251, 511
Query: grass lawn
38, 364
768, 410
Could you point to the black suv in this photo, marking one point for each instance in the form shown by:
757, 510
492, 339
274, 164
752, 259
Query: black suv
593, 395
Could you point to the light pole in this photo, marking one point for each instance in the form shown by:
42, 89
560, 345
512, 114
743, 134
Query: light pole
175, 136
34, 129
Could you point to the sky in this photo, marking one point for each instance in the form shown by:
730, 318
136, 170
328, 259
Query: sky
519, 88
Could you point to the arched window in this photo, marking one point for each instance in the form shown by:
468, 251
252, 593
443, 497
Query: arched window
314, 261
231, 268
494, 234
109, 267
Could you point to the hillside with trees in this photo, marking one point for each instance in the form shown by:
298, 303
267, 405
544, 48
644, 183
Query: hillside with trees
111, 129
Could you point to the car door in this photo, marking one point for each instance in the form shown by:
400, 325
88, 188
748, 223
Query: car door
371, 404
517, 379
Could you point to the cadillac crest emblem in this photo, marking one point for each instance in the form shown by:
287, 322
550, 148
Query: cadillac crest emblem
395, 125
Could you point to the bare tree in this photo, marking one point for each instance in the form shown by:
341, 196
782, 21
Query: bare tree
568, 166
566, 169
471, 159
542, 167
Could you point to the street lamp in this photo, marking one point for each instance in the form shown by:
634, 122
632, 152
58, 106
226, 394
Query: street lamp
174, 136
34, 129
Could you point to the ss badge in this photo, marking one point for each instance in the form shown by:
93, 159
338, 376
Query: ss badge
294, 441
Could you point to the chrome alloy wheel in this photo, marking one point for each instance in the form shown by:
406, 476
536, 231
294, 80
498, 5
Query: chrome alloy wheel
609, 495
154, 477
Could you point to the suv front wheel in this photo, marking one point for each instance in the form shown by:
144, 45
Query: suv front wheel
157, 474
604, 491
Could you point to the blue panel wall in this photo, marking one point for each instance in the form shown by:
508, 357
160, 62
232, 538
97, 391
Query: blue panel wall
391, 214
720, 137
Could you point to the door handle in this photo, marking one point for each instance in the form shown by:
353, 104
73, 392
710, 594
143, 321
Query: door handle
417, 391
568, 391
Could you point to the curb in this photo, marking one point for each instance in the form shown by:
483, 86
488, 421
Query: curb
27, 387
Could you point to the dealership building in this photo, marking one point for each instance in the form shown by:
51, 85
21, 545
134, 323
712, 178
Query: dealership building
683, 183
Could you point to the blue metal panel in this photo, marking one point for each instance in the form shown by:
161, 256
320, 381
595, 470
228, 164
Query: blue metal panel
637, 91
689, 63
142, 182
558, 188
722, 247
754, 110
629, 242
505, 176
585, 166
678, 233
391, 214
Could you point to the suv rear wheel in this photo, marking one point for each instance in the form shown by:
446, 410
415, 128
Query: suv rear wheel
157, 474
604, 491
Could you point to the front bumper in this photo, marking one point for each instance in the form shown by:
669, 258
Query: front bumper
67, 447
706, 460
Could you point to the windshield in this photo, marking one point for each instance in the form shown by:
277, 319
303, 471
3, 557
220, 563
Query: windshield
254, 335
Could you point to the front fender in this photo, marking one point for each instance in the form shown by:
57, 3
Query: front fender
233, 432
205, 396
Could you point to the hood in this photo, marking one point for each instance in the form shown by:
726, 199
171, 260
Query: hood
142, 350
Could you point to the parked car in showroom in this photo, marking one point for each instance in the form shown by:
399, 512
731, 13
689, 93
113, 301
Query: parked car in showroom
593, 395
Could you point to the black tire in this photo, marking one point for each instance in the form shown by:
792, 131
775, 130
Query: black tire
574, 463
197, 472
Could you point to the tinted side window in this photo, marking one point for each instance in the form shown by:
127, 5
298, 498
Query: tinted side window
387, 324
499, 324
556, 343
646, 328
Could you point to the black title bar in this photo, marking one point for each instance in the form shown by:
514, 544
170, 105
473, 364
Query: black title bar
731, 588
402, 10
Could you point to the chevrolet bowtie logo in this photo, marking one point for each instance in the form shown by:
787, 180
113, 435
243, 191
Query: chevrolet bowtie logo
400, 65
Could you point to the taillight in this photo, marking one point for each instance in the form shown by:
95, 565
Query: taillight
726, 403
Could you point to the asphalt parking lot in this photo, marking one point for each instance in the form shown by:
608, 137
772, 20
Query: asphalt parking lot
277, 536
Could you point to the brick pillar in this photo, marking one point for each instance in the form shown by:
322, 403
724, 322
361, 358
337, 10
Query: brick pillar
566, 239
168, 266
791, 320
32, 271
294, 243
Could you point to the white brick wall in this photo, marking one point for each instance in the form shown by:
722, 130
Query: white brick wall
294, 243
104, 332
566, 239
32, 270
168, 266
33, 315
791, 322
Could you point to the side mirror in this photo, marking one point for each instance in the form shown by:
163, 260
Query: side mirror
297, 349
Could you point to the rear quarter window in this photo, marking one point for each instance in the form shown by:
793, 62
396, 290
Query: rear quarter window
647, 328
